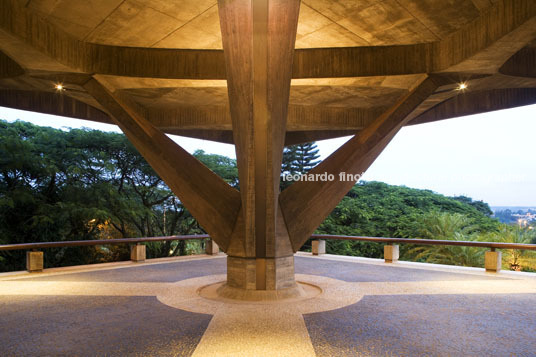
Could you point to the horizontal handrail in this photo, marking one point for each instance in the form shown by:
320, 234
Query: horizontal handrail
81, 243
492, 245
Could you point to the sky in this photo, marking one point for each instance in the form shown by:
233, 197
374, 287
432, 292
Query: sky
489, 157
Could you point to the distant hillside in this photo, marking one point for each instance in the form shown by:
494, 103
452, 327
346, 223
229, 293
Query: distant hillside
513, 208
378, 209
522, 215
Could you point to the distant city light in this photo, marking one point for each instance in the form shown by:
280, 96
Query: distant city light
59, 87
462, 86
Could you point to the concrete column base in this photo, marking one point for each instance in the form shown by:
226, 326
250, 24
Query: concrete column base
260, 273
211, 248
493, 261
391, 253
137, 253
319, 247
34, 261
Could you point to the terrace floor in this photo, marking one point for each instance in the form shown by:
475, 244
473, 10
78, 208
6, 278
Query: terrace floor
365, 308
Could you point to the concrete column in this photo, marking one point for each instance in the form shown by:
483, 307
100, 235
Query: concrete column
493, 261
391, 253
258, 38
34, 261
137, 253
319, 247
243, 273
211, 248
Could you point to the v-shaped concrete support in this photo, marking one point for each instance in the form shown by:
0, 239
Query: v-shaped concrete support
306, 204
211, 200
258, 227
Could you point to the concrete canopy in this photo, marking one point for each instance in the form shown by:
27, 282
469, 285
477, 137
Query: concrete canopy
354, 59
262, 74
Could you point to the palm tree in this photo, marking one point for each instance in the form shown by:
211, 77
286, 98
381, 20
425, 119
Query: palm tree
516, 258
448, 226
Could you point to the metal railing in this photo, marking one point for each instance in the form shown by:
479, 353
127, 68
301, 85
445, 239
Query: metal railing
82, 243
491, 245
41, 245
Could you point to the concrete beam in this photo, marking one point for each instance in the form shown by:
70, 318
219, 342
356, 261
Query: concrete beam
521, 64
8, 67
499, 20
477, 102
211, 200
299, 118
52, 103
305, 204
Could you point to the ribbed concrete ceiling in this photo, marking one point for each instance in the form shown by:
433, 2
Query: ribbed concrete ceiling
354, 59
195, 24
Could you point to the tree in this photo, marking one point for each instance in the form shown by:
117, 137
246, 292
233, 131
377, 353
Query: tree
299, 159
479, 205
223, 166
516, 259
447, 226
82, 184
44, 195
505, 216
380, 210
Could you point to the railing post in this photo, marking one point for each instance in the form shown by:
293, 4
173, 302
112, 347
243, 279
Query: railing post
211, 248
318, 247
493, 261
391, 253
34, 261
137, 252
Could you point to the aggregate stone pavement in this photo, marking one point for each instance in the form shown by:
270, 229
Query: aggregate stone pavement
365, 309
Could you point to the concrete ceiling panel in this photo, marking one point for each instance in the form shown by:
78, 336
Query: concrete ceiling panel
133, 24
182, 10
387, 23
442, 17
344, 96
337, 10
333, 35
78, 18
201, 32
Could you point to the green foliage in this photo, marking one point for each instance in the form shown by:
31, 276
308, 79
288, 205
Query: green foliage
505, 216
298, 160
82, 184
222, 165
379, 210
447, 226
479, 205
516, 259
